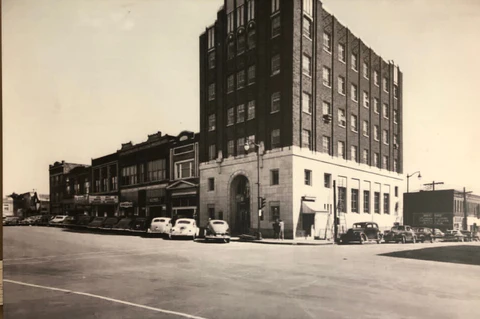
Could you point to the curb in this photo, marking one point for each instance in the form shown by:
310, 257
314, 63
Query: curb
283, 243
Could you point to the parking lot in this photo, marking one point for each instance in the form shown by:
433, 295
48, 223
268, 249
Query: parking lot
53, 273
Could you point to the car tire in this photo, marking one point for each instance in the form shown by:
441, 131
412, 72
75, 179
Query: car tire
404, 240
363, 239
414, 240
193, 237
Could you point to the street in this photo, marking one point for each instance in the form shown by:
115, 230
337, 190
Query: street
54, 273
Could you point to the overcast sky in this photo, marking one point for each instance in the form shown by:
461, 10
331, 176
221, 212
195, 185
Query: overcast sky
80, 77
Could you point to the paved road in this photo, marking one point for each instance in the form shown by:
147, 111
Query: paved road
84, 275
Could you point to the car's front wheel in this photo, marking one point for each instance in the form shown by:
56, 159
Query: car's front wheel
404, 240
414, 240
363, 239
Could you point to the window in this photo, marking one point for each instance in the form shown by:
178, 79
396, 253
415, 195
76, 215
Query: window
251, 39
376, 160
307, 27
385, 137
354, 200
354, 92
342, 57
327, 42
129, 175
240, 15
306, 139
211, 211
240, 44
240, 113
231, 50
375, 133
251, 74
184, 169
275, 5
230, 83
395, 165
275, 102
156, 170
326, 145
395, 91
342, 121
211, 60
386, 203
87, 188
376, 202
376, 105
230, 116
326, 107
366, 202
250, 10
353, 153
308, 7
341, 149
212, 152
211, 184
275, 138
385, 110
327, 77
276, 64
274, 177
250, 141
366, 99
274, 211
230, 22
342, 199
275, 26
327, 180
306, 102
385, 162
211, 38
396, 191
230, 148
395, 116
365, 70
211, 122
354, 123
366, 130
308, 177
341, 85
307, 65
240, 79
365, 156
385, 84
375, 77
241, 146
211, 92
354, 62
251, 110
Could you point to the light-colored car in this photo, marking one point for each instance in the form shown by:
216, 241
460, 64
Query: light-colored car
160, 225
184, 227
217, 230
57, 220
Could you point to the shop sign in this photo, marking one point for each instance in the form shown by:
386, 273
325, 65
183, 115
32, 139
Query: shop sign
97, 200
126, 204
442, 219
429, 219
80, 199
154, 200
111, 199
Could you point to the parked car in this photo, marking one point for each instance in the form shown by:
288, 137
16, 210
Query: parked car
83, 221
26, 221
40, 220
123, 224
424, 234
11, 221
217, 230
96, 223
160, 225
361, 233
71, 221
109, 223
139, 225
438, 233
57, 220
184, 227
400, 234
454, 235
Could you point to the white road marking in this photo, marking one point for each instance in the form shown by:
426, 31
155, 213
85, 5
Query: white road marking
180, 314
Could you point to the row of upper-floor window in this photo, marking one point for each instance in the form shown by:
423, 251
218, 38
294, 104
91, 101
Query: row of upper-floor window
156, 171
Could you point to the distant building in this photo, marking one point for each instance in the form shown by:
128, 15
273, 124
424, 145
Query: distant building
26, 204
7, 207
442, 209
103, 198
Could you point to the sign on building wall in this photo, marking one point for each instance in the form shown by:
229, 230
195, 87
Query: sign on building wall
429, 219
98, 200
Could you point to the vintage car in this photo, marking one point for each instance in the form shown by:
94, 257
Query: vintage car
438, 233
123, 224
139, 225
160, 225
83, 221
361, 233
96, 223
71, 221
454, 235
11, 221
109, 223
424, 234
57, 220
184, 227
217, 230
400, 234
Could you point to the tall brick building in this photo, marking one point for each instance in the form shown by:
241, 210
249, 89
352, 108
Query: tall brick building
321, 105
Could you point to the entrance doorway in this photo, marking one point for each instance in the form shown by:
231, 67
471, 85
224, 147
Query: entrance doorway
240, 205
308, 222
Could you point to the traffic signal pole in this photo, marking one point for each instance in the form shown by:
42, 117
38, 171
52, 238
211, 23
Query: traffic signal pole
259, 235
335, 223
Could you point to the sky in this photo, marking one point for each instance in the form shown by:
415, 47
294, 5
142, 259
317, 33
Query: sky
80, 77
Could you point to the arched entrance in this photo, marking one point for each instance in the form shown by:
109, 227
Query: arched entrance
240, 205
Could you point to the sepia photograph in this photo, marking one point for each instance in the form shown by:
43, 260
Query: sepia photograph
217, 159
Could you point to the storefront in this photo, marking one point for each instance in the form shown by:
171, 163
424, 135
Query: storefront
129, 202
104, 206
183, 201
156, 202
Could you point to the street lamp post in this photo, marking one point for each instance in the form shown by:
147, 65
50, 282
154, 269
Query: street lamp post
408, 177
257, 146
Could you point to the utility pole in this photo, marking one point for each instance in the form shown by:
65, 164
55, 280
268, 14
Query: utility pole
465, 213
433, 184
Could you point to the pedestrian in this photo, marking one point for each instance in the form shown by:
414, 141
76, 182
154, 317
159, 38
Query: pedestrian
276, 229
281, 225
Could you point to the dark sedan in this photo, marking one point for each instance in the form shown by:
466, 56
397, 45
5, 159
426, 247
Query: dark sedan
96, 223
139, 225
109, 223
361, 233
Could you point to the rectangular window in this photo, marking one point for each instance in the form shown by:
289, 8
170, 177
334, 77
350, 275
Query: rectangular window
326, 145
240, 79
354, 200
385, 162
342, 120
307, 67
354, 123
341, 85
366, 99
365, 156
251, 110
342, 56
211, 60
327, 77
354, 62
395, 116
354, 92
211, 211
240, 16
211, 122
275, 138
241, 146
365, 70
230, 116
327, 42
376, 160
375, 78
376, 105
308, 177
308, 7
396, 191
275, 102
212, 152
129, 175
250, 10
385, 84
276, 64
375, 133
251, 74
275, 5
342, 199
230, 22
327, 180
251, 39
306, 102
307, 27
274, 177
230, 50
211, 92
395, 165
366, 130
274, 211
386, 110
156, 170
211, 38
395, 91
184, 170
230, 83
275, 26
341, 149
353, 153
326, 108
376, 202
231, 148
240, 113
386, 203
306, 139
211, 184
366, 202
386, 137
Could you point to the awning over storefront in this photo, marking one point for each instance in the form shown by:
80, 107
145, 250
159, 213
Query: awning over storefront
313, 207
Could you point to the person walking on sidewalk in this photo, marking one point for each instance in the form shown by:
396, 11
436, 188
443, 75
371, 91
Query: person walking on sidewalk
282, 228
276, 229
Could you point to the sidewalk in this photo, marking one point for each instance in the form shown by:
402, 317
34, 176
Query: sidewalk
270, 241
